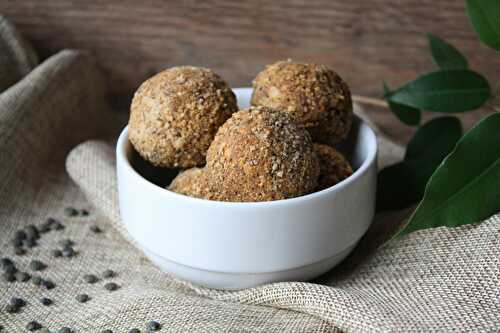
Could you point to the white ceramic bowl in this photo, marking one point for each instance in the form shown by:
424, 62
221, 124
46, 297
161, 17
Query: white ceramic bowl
237, 245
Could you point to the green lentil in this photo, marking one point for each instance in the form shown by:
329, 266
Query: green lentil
37, 265
111, 286
33, 326
90, 278
46, 301
108, 274
82, 298
17, 302
154, 326
70, 211
37, 280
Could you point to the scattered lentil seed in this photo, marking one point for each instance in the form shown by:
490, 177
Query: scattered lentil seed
108, 273
57, 226
17, 302
20, 235
37, 280
70, 211
46, 226
48, 284
37, 265
85, 212
30, 242
4, 262
33, 326
10, 269
44, 330
95, 229
19, 251
9, 277
90, 278
22, 276
111, 286
134, 330
68, 252
46, 301
82, 298
154, 326
56, 253
106, 331
17, 242
65, 330
32, 232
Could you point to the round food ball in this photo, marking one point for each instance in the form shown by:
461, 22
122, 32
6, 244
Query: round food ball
175, 114
314, 95
333, 166
192, 182
260, 154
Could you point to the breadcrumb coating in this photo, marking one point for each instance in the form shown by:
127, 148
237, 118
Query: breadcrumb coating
260, 154
314, 95
175, 114
192, 182
333, 166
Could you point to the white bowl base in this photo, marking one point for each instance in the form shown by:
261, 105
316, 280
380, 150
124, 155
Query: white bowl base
235, 281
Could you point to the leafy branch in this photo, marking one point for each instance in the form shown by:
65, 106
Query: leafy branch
457, 178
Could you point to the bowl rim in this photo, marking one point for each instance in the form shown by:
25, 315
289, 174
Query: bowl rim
124, 144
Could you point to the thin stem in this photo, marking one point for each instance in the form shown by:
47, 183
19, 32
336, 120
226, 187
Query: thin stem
370, 101
492, 107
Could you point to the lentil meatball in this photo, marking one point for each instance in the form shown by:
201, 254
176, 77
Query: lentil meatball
260, 154
192, 182
314, 95
333, 166
175, 114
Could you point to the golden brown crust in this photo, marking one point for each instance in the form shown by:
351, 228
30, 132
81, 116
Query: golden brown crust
333, 166
192, 182
260, 154
175, 114
314, 95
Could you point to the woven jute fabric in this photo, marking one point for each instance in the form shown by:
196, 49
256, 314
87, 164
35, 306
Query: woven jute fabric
57, 150
17, 57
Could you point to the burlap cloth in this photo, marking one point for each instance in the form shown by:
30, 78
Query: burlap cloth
433, 280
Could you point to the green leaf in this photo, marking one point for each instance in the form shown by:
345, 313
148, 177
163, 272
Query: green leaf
403, 184
445, 55
397, 187
407, 114
444, 91
485, 18
466, 186
434, 140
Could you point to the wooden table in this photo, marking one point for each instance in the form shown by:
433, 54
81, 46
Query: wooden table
366, 41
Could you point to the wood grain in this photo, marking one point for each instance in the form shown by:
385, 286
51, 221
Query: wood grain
365, 41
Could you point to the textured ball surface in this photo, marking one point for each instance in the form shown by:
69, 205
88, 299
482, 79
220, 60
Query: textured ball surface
192, 182
260, 154
175, 114
314, 95
334, 167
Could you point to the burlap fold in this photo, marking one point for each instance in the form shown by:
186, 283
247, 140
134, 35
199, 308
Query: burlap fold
17, 57
432, 280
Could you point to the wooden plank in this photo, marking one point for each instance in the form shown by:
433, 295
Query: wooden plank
365, 41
